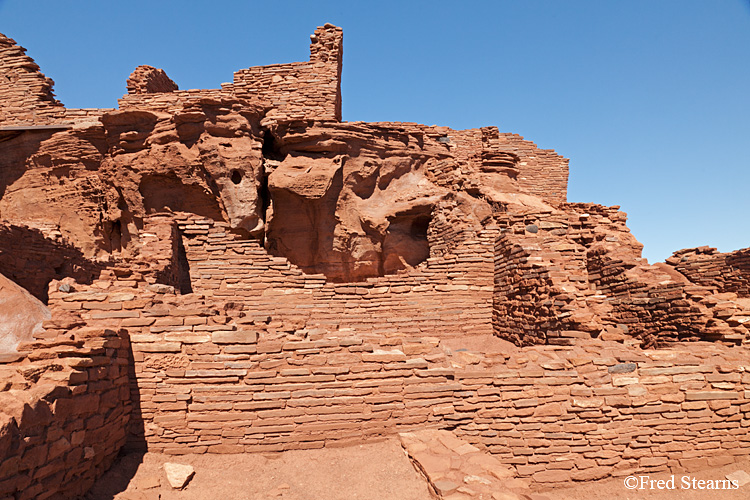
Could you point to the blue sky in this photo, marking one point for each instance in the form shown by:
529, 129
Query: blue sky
650, 99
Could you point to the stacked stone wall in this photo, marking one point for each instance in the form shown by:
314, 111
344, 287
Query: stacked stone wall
25, 92
300, 91
705, 266
560, 276
232, 372
449, 295
147, 79
195, 340
584, 414
542, 172
64, 410
539, 285
212, 376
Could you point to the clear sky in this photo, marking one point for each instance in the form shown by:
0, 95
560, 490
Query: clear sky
650, 99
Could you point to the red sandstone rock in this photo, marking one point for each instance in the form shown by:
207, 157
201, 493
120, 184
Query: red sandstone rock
237, 270
21, 315
149, 80
178, 475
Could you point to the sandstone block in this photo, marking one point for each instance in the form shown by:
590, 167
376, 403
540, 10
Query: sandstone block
383, 356
710, 395
235, 337
178, 475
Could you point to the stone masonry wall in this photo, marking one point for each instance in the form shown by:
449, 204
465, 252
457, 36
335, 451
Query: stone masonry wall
542, 172
295, 91
32, 259
586, 413
450, 294
560, 276
541, 287
25, 92
214, 376
299, 91
65, 403
728, 272
198, 341
215, 371
64, 410
147, 79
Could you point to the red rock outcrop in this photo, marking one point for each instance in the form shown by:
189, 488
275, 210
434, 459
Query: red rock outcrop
237, 269
349, 200
149, 80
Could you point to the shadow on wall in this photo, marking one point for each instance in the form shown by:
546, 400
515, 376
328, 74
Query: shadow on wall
21, 316
68, 423
116, 480
17, 148
167, 193
32, 260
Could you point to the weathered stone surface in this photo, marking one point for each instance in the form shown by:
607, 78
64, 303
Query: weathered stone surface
21, 315
449, 462
622, 368
740, 476
238, 270
178, 475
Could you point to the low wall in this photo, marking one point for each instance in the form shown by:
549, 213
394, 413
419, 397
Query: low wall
450, 294
213, 376
217, 374
583, 414
64, 411
728, 272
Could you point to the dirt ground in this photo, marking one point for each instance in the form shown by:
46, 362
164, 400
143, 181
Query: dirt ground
372, 471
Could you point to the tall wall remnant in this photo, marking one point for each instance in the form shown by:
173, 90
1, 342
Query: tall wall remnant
238, 269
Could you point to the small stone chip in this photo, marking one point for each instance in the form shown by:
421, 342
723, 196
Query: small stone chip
740, 476
178, 475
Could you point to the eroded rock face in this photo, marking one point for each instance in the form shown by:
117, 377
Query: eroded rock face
203, 158
269, 155
350, 201
342, 207
21, 315
356, 200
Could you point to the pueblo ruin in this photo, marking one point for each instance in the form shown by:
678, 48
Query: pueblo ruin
238, 270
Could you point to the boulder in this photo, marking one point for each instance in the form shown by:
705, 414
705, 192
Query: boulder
21, 315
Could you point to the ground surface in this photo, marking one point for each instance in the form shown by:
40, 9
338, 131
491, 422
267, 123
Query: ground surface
373, 471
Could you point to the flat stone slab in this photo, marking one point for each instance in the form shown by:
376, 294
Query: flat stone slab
457, 469
178, 475
740, 476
